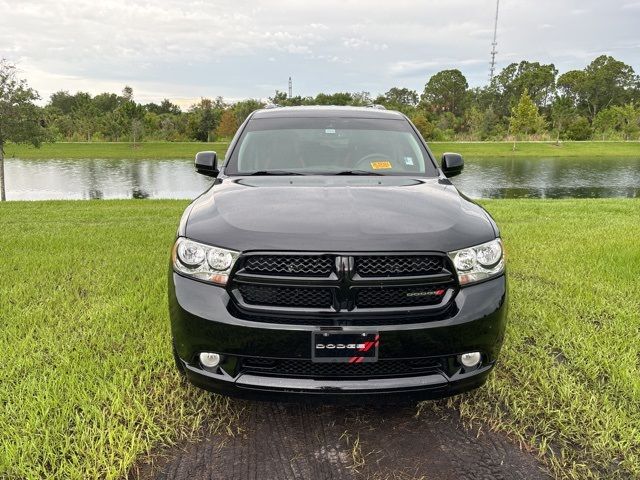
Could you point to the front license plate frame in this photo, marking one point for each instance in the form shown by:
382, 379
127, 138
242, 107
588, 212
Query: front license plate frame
344, 347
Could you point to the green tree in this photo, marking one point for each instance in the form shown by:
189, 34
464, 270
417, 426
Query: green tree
446, 91
167, 128
228, 125
204, 118
151, 125
340, 98
474, 120
605, 124
279, 98
20, 118
562, 113
538, 79
282, 99
628, 120
62, 101
579, 129
361, 99
423, 125
165, 107
59, 126
127, 93
105, 102
603, 83
243, 109
115, 124
84, 115
525, 118
137, 129
401, 99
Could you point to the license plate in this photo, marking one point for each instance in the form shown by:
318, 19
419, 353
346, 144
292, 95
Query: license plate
352, 347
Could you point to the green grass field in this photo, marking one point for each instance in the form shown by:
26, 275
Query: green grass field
170, 150
87, 384
113, 150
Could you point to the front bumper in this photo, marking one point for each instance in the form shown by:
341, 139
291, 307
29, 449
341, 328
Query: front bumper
201, 321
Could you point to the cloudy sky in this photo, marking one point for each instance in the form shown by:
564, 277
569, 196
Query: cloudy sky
185, 49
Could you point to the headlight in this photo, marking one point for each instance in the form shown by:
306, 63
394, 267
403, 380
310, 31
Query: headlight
203, 262
478, 263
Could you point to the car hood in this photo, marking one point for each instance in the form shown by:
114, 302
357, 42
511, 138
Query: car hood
337, 214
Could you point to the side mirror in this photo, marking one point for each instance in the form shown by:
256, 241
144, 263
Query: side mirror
452, 164
207, 163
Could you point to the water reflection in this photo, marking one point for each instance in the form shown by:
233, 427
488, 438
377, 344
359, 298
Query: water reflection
482, 178
550, 178
102, 179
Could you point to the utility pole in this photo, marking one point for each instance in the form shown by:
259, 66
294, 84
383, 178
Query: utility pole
290, 88
494, 44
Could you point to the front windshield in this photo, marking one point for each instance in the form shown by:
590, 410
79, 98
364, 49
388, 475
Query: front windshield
326, 146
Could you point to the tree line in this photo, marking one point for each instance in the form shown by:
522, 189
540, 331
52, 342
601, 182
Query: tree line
526, 100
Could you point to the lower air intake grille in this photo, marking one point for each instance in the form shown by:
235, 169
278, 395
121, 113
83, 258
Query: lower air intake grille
286, 296
309, 369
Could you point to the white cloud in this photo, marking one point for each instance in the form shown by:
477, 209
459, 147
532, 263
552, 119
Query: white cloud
184, 49
360, 43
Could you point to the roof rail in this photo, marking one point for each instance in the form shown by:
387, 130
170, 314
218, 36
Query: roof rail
269, 106
376, 106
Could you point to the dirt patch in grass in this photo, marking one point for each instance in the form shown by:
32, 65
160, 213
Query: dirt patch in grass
288, 441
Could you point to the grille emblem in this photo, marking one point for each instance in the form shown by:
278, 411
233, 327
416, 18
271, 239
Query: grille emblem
345, 267
425, 293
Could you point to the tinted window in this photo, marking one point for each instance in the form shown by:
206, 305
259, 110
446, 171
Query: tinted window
329, 145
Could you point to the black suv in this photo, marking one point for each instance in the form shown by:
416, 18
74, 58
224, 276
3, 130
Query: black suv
332, 257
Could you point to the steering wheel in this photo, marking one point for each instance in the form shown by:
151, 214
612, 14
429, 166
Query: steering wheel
366, 160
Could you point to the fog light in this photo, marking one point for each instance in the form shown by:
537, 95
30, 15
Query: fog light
470, 359
209, 360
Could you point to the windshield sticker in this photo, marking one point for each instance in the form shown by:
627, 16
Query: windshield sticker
408, 161
381, 165
330, 130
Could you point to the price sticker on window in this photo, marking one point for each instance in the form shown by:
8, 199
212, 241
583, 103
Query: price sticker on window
381, 165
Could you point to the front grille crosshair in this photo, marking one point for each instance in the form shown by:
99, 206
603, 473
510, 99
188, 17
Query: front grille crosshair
290, 296
300, 265
309, 369
398, 265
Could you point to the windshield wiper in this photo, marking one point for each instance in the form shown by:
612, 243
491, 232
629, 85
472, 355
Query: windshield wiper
274, 172
357, 172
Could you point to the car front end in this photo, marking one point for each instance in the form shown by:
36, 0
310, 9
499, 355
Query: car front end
333, 259
348, 325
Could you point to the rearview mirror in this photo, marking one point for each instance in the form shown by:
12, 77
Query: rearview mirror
452, 164
207, 163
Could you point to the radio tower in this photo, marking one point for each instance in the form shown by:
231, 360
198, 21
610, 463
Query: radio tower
494, 44
290, 88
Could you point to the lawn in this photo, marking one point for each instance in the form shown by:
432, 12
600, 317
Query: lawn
87, 382
113, 150
171, 150
88, 386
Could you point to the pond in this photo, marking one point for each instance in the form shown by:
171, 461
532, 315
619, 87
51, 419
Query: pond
482, 178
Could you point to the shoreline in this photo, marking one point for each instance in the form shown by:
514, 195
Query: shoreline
187, 150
